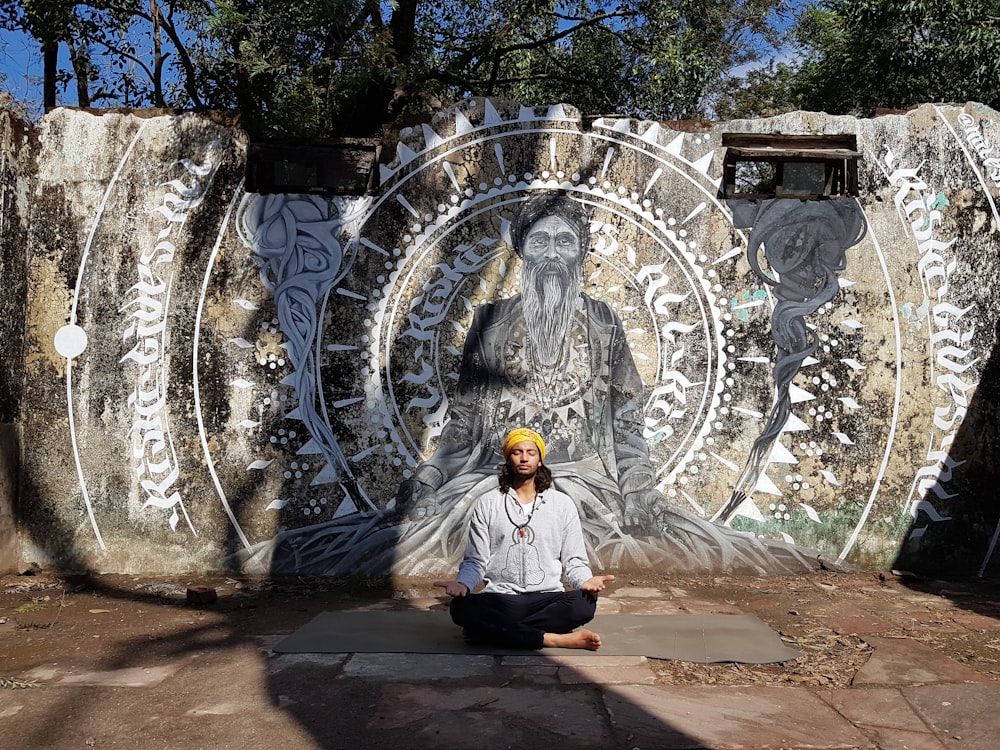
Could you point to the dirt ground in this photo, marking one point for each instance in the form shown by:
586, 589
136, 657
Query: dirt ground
43, 614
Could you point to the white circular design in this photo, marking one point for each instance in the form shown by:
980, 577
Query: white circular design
432, 262
71, 341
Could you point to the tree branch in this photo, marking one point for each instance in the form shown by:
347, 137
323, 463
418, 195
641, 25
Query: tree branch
127, 56
552, 38
333, 42
473, 84
168, 26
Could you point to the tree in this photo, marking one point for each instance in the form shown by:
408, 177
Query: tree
46, 21
762, 91
859, 55
310, 68
119, 46
658, 59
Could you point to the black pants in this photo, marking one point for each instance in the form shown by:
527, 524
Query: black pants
522, 620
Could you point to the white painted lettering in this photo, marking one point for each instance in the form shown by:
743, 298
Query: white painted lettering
147, 307
949, 344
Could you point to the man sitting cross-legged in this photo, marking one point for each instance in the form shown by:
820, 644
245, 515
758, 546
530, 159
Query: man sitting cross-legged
524, 537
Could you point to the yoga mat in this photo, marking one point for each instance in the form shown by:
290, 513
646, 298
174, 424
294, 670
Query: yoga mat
695, 638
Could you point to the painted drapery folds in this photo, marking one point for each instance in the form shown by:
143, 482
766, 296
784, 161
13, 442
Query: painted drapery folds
301, 384
805, 243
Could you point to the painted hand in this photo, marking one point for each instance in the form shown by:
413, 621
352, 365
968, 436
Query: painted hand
641, 513
417, 500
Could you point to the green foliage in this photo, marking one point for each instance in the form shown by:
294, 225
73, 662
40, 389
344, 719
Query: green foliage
688, 52
291, 67
122, 52
859, 55
762, 92
311, 68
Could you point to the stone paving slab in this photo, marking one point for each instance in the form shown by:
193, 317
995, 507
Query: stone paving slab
885, 715
607, 606
728, 718
280, 662
701, 607
533, 675
427, 604
128, 677
419, 667
931, 621
216, 699
965, 717
904, 661
845, 618
976, 621
576, 669
606, 675
633, 592
223, 688
647, 607
574, 660
491, 717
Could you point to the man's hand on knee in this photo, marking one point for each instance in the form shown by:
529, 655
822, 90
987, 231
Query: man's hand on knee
596, 584
452, 588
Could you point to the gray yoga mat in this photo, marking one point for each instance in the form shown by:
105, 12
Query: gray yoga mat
695, 638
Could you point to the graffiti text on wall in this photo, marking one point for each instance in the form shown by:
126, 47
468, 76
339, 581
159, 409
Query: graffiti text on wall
949, 344
426, 314
974, 134
146, 304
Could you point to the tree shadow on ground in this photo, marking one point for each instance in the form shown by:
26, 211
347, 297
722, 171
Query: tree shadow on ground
122, 660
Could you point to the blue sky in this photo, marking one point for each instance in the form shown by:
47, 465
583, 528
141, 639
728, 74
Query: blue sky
21, 65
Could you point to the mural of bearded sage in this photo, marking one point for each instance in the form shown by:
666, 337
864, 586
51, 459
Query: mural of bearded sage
554, 359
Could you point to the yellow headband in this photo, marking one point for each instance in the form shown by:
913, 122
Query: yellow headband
519, 436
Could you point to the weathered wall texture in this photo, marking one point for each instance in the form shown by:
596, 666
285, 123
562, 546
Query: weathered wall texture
216, 379
14, 171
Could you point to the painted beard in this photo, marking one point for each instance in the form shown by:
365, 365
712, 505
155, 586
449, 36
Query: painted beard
549, 291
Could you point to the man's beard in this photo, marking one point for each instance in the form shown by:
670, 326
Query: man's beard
550, 301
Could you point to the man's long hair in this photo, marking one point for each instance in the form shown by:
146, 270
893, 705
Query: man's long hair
543, 478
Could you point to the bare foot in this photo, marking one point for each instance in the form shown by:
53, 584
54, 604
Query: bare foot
587, 639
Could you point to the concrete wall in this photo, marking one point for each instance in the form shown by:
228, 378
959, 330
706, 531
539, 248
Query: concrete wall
214, 379
10, 553
14, 174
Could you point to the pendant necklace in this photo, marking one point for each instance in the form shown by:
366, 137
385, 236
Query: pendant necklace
520, 527
549, 382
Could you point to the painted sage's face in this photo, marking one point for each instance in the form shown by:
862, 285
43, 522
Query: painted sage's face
551, 240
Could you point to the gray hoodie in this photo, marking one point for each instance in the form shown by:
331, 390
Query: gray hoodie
534, 558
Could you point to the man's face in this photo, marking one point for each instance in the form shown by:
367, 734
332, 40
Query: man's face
524, 459
551, 239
